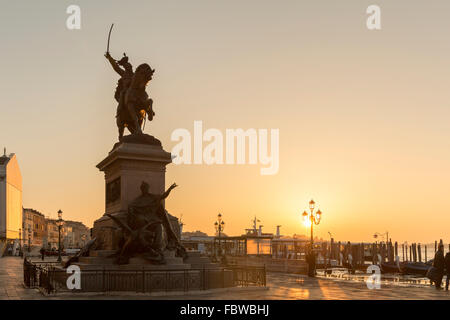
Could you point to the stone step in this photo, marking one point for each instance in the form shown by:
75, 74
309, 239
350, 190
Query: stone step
101, 253
132, 267
205, 266
194, 253
96, 260
169, 261
197, 260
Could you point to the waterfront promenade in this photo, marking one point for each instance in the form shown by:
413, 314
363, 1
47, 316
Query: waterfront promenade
280, 286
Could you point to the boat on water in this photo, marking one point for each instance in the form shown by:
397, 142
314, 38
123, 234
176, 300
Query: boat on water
390, 267
415, 268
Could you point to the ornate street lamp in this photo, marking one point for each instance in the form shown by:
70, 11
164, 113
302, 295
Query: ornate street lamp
220, 226
60, 223
384, 235
312, 218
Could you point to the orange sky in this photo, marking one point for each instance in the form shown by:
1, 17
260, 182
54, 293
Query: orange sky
363, 115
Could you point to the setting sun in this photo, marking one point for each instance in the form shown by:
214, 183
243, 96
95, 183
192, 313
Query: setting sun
306, 223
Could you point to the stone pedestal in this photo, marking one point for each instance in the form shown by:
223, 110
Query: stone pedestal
197, 261
126, 166
135, 159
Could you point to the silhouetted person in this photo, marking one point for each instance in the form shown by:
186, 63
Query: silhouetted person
439, 264
42, 251
447, 269
311, 260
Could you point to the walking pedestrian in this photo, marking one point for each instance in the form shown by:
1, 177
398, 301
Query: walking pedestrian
42, 251
439, 264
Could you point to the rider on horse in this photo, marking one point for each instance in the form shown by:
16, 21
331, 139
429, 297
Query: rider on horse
133, 103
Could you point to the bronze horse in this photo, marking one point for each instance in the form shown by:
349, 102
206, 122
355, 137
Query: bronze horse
134, 104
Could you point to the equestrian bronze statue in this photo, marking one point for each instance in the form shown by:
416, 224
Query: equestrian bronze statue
134, 105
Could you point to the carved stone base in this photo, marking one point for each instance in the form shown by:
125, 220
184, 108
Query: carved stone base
197, 261
108, 235
134, 159
126, 166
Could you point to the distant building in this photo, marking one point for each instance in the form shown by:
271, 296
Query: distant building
44, 231
34, 228
76, 234
190, 234
52, 234
10, 198
199, 241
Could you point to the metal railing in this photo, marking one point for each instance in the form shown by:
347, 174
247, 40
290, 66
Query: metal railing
52, 279
249, 275
32, 272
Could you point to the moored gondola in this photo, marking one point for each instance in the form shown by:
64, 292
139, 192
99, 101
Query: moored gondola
415, 268
389, 267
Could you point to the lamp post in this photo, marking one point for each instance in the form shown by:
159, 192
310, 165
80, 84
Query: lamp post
384, 235
219, 225
60, 224
313, 218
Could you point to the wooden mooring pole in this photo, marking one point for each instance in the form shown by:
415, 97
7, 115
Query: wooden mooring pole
332, 248
411, 252
339, 253
388, 249
361, 254
408, 257
415, 252
419, 251
374, 253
